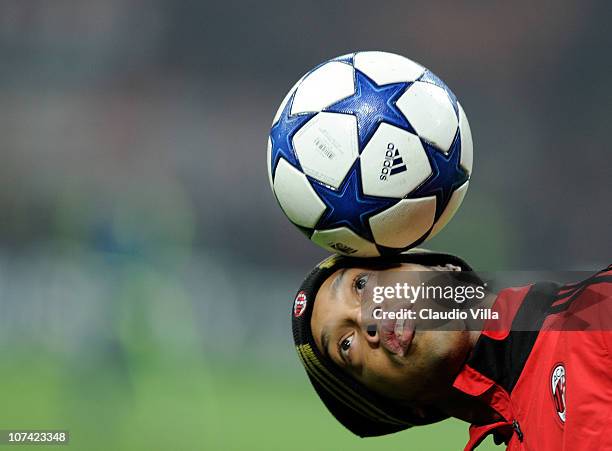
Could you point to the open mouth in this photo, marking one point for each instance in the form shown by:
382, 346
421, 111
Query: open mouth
397, 332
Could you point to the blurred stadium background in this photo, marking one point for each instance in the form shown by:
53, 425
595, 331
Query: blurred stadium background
146, 272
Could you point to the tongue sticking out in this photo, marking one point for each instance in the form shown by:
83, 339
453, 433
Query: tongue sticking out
397, 334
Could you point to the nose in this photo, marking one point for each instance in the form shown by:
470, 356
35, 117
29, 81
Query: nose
372, 334
369, 326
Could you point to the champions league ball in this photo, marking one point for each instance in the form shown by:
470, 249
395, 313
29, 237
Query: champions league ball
370, 154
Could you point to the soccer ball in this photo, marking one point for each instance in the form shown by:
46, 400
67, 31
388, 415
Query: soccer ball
370, 154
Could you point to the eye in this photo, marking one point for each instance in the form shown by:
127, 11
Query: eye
361, 282
345, 346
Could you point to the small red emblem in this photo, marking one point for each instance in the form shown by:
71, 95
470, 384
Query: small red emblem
558, 390
299, 305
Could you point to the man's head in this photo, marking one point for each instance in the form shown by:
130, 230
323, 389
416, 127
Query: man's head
375, 377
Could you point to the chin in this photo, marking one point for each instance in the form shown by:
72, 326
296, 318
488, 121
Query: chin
438, 356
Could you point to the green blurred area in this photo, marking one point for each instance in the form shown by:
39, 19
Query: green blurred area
123, 332
131, 345
133, 341
175, 404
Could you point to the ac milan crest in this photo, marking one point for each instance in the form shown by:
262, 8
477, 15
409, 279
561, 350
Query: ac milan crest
558, 390
299, 306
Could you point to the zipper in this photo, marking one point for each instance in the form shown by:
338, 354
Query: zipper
517, 428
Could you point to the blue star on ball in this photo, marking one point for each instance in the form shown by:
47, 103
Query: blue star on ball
372, 104
447, 174
282, 133
348, 206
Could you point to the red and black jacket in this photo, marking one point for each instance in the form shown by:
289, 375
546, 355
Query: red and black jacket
549, 373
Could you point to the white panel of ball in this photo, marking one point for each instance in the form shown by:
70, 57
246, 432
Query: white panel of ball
451, 208
296, 196
430, 111
404, 223
327, 147
324, 86
384, 68
467, 145
377, 161
269, 160
285, 100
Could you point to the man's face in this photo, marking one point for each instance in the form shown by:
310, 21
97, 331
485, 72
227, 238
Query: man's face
410, 364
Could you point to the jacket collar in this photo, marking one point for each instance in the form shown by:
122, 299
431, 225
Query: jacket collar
475, 384
487, 375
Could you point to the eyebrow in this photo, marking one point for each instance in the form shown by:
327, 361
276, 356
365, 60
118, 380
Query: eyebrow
325, 341
325, 331
338, 280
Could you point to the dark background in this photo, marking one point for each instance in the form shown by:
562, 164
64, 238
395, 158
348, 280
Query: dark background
146, 272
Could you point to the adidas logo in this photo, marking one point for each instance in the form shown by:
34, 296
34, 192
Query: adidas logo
393, 163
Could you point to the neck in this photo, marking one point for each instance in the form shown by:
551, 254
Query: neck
458, 404
468, 408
